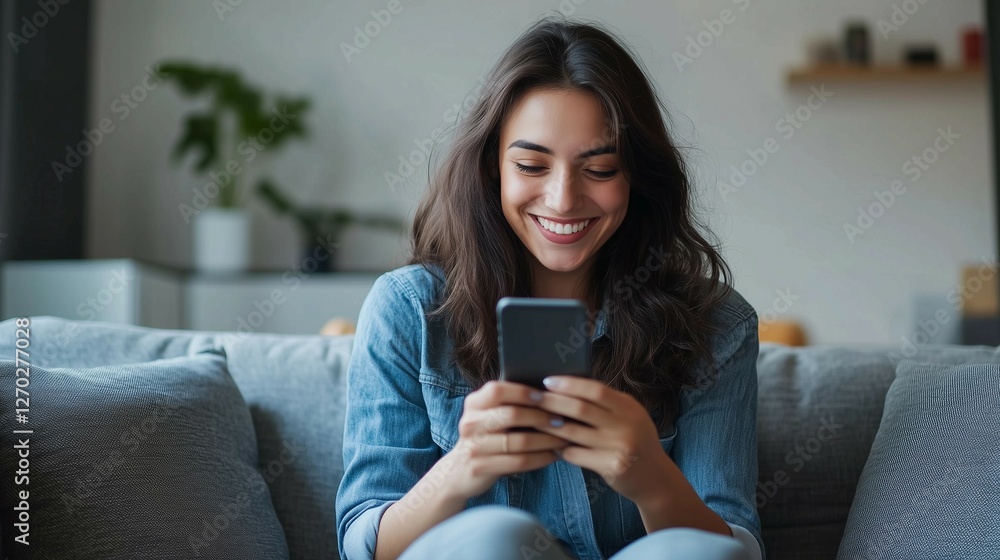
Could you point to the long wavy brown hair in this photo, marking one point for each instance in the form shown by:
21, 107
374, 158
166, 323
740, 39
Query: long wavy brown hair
658, 326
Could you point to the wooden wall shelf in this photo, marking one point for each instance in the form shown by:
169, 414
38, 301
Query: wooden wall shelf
881, 73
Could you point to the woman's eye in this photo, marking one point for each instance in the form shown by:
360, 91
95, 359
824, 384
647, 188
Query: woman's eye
603, 174
528, 168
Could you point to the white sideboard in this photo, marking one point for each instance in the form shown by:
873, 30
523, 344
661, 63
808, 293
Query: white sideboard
111, 290
274, 302
128, 291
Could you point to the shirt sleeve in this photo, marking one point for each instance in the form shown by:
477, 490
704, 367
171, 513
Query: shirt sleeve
716, 442
387, 445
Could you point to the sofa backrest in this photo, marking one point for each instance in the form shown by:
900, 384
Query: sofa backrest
819, 409
293, 385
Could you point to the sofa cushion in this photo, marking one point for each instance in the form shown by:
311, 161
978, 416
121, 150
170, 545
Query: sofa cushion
156, 459
930, 485
293, 385
819, 408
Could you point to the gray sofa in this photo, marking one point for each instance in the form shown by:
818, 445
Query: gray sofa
819, 411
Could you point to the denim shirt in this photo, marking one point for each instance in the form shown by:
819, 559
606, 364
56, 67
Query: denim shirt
405, 397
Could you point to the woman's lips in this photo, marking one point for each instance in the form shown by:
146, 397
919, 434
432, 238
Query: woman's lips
564, 238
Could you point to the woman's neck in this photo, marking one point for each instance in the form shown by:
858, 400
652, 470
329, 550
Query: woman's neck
575, 285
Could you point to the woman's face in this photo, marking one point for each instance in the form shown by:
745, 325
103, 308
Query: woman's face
561, 185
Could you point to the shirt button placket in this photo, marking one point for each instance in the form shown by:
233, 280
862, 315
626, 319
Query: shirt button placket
579, 520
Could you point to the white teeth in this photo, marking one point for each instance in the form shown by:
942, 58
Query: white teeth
562, 229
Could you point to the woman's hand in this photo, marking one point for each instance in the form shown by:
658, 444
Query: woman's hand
609, 433
486, 450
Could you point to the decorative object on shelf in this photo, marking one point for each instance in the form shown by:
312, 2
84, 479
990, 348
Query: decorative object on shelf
782, 331
972, 45
322, 228
237, 127
338, 326
856, 44
823, 51
921, 55
980, 304
220, 240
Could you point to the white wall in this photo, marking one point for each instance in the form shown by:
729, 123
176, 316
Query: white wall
782, 230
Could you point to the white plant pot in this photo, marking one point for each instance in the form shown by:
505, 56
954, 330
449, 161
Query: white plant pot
221, 238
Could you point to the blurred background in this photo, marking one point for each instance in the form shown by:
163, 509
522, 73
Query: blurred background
249, 165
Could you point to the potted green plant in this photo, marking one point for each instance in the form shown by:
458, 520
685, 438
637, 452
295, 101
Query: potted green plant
323, 228
239, 125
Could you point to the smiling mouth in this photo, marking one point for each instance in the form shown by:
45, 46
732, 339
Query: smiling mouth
560, 228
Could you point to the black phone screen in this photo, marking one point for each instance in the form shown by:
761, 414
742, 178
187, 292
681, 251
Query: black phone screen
539, 337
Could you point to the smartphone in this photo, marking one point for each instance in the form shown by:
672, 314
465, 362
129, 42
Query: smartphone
539, 337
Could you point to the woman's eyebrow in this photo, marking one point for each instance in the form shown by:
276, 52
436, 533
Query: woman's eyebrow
600, 150
524, 144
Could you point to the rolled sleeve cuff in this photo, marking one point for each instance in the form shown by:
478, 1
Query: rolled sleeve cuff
748, 540
359, 540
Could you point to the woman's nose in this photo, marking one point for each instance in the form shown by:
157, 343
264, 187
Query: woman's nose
561, 192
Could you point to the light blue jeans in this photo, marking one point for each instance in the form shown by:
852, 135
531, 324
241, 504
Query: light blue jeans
506, 533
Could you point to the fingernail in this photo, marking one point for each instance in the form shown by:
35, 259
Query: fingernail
556, 422
536, 396
551, 382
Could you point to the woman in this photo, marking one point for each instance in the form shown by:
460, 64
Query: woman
562, 181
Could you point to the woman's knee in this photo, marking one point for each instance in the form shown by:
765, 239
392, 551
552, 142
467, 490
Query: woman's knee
684, 543
497, 515
504, 524
493, 532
